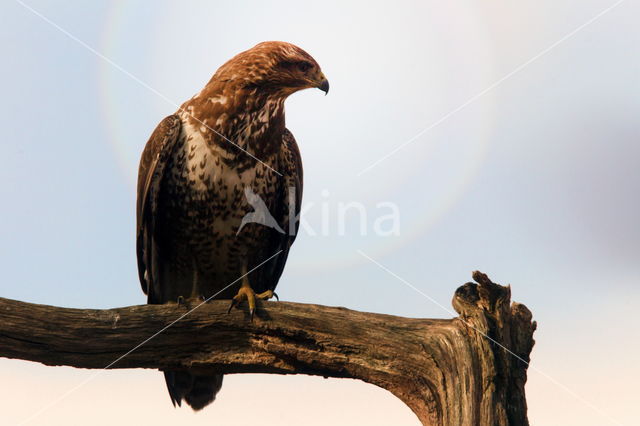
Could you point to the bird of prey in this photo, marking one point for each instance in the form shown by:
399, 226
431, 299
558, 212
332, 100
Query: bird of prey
196, 170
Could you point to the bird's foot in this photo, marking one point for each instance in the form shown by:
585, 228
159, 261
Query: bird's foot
246, 293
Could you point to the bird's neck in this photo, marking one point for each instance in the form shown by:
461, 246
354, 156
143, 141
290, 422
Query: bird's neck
249, 118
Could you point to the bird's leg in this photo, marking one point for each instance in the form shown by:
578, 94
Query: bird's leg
246, 293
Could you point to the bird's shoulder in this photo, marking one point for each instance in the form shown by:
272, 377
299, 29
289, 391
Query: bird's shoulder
290, 157
155, 156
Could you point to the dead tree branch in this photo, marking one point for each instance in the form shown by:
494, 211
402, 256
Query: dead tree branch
469, 370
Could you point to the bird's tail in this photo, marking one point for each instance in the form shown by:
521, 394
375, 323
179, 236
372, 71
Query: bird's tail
197, 390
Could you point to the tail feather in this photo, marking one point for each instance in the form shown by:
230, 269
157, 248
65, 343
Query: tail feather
197, 390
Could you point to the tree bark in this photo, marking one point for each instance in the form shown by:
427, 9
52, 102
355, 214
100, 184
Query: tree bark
469, 370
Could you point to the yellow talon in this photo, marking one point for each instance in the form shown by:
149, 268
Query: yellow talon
246, 293
266, 295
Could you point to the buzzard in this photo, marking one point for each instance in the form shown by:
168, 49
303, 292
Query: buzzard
196, 171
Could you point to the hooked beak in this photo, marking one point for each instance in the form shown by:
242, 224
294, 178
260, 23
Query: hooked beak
323, 84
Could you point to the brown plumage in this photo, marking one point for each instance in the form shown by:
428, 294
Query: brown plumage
192, 182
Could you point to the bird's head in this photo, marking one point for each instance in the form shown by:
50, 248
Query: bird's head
274, 66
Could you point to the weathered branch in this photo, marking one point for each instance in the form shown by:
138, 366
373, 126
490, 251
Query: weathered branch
449, 372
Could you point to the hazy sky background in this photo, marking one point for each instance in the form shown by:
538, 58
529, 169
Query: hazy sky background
536, 183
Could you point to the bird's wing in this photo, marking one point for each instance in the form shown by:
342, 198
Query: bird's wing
154, 159
287, 209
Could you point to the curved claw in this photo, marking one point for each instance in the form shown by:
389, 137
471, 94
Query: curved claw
276, 296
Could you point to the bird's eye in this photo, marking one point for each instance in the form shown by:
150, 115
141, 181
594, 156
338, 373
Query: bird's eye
304, 66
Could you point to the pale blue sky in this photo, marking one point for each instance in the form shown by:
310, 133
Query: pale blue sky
536, 182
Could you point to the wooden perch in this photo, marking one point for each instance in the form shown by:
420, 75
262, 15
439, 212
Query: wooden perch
449, 372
